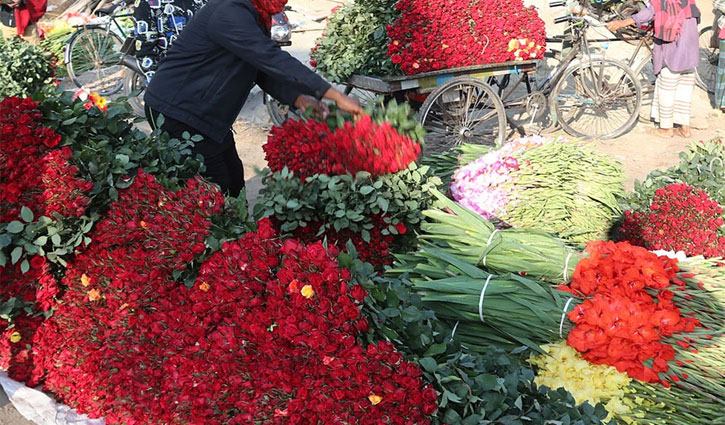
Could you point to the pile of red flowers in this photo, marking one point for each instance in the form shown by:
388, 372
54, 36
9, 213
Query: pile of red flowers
622, 323
310, 147
440, 34
680, 218
375, 251
267, 333
34, 172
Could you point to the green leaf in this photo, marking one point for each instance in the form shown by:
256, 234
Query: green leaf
15, 227
24, 266
428, 364
26, 214
436, 349
15, 254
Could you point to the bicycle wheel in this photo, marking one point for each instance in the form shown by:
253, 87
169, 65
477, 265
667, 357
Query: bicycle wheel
278, 112
644, 70
135, 82
93, 60
597, 99
462, 110
707, 66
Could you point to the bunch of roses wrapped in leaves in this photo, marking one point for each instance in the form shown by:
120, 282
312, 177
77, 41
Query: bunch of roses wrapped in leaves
278, 318
443, 34
680, 218
348, 180
625, 307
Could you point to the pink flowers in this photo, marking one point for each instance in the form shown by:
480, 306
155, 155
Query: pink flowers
480, 184
439, 34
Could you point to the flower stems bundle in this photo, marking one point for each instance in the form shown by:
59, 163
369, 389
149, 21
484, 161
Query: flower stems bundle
457, 231
501, 310
566, 189
446, 163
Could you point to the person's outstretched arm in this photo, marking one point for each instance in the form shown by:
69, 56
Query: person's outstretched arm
237, 30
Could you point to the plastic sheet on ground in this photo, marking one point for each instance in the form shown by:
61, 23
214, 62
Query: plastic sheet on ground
40, 408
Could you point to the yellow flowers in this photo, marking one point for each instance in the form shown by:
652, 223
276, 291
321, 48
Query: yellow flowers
564, 367
307, 291
94, 295
15, 337
85, 280
143, 224
204, 287
375, 399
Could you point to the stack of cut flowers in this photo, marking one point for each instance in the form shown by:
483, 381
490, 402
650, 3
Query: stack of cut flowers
624, 307
431, 35
552, 185
346, 180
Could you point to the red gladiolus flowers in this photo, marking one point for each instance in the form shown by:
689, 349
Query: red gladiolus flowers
629, 310
432, 35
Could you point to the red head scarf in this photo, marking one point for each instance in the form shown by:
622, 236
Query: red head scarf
670, 15
267, 9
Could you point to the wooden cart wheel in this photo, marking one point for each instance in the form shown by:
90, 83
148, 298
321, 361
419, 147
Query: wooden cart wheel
462, 110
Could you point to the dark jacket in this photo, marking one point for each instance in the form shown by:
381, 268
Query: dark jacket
209, 71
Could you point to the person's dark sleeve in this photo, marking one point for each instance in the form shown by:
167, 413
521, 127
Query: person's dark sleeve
281, 90
235, 28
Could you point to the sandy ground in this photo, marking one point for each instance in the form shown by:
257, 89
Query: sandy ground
639, 152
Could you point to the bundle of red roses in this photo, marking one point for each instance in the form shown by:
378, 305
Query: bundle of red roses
311, 147
266, 334
432, 35
33, 171
680, 218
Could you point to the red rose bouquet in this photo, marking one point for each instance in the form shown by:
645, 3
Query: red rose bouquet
345, 180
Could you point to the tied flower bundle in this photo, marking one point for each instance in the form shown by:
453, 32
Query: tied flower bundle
550, 185
279, 319
347, 180
310, 147
680, 218
640, 316
444, 34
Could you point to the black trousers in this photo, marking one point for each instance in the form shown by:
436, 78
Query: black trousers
223, 165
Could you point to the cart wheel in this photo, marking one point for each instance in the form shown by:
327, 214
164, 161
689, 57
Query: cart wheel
365, 97
462, 110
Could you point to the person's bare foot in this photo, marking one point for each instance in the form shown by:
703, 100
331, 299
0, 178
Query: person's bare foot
662, 132
684, 131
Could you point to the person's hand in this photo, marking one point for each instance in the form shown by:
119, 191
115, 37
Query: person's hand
351, 105
16, 3
617, 25
319, 109
344, 102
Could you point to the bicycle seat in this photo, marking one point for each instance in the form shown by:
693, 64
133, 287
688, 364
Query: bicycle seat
108, 10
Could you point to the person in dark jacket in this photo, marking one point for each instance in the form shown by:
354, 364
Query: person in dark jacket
203, 82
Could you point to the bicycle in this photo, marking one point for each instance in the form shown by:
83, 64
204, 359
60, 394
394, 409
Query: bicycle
93, 53
706, 76
587, 94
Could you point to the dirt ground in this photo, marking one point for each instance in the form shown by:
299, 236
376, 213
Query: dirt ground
638, 151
